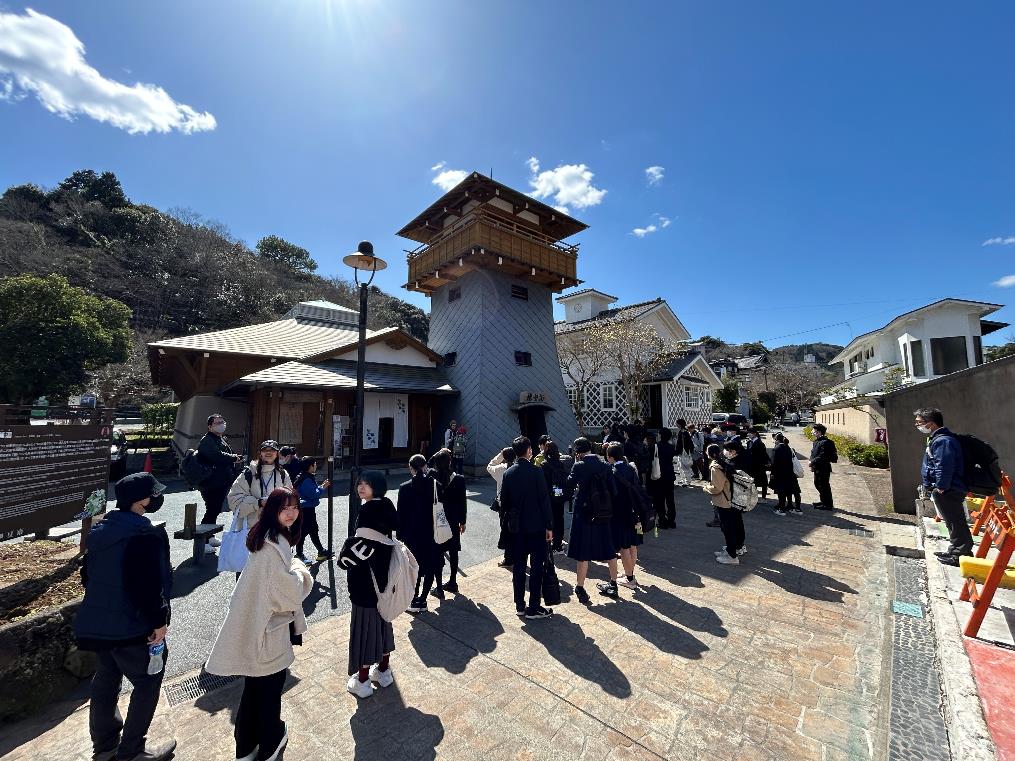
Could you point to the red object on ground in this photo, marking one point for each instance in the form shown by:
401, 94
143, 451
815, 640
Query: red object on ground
148, 463
994, 672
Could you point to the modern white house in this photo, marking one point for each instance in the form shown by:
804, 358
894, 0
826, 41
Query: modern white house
934, 340
681, 389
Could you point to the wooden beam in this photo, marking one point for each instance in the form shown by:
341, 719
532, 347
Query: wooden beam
184, 360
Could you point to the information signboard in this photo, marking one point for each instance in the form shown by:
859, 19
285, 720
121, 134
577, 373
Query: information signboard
47, 472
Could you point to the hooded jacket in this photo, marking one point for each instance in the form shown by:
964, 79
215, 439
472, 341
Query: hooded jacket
128, 582
249, 488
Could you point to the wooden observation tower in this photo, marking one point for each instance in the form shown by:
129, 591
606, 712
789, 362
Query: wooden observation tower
491, 258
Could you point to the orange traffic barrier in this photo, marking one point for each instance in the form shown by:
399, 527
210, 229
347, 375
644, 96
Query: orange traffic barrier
999, 532
148, 463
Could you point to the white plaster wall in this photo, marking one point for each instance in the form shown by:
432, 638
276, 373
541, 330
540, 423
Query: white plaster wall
381, 352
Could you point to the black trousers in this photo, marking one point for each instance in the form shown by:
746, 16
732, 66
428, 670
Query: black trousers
528, 545
557, 506
104, 721
259, 717
663, 500
310, 529
732, 522
953, 513
822, 482
214, 502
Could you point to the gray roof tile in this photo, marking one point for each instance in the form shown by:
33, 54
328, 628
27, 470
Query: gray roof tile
341, 373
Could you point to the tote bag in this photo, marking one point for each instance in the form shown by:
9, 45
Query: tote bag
798, 468
233, 552
656, 472
441, 528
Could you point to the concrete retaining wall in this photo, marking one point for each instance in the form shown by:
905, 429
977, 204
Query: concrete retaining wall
980, 401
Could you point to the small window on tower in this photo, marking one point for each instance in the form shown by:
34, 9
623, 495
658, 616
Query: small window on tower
450, 358
454, 293
523, 359
520, 292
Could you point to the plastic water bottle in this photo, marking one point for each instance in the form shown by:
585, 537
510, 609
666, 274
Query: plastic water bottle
156, 658
655, 532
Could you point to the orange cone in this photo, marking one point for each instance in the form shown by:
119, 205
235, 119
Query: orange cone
148, 463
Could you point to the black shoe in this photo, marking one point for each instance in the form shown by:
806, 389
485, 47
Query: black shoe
582, 595
505, 564
451, 586
520, 612
438, 593
609, 590
945, 554
418, 605
713, 524
952, 560
538, 613
819, 506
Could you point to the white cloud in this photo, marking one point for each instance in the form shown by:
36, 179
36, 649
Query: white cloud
43, 57
641, 232
568, 185
664, 221
654, 174
447, 178
1006, 282
661, 223
1008, 241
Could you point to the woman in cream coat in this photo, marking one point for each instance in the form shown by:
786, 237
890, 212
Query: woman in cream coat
255, 482
265, 617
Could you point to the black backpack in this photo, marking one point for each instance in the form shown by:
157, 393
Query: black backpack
640, 502
979, 460
600, 501
193, 470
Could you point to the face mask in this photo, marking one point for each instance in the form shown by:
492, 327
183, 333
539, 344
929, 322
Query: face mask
154, 504
923, 428
219, 428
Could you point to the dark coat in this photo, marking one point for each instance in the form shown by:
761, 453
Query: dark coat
758, 453
666, 454
577, 483
128, 582
415, 521
556, 472
378, 514
783, 480
215, 452
452, 496
524, 498
823, 454
632, 451
683, 442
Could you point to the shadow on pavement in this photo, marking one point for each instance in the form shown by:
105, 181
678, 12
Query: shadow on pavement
188, 576
686, 614
462, 619
800, 581
228, 698
383, 727
666, 636
567, 643
26, 730
320, 590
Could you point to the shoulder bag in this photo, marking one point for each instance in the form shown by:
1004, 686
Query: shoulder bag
441, 528
233, 552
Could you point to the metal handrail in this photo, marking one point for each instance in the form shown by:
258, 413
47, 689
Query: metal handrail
494, 220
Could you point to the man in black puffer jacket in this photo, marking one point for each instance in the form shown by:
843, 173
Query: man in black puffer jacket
823, 454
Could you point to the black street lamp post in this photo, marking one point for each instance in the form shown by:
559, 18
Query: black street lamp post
363, 260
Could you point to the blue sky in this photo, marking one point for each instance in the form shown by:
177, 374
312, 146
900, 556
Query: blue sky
820, 163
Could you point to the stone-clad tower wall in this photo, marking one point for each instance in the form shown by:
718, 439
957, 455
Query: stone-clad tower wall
484, 326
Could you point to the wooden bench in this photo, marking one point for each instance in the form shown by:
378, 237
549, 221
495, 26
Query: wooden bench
998, 531
199, 534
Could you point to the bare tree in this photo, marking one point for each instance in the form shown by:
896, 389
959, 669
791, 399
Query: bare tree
636, 351
582, 359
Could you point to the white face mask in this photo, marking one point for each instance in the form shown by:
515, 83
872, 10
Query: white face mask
219, 428
923, 428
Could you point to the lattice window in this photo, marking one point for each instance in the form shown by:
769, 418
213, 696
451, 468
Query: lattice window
608, 397
692, 400
595, 416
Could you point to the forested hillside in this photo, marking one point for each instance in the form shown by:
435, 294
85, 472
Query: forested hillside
177, 271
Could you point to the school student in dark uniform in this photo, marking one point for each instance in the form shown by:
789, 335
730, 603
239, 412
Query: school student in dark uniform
591, 539
451, 494
416, 529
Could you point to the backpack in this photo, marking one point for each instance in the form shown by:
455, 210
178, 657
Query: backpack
979, 460
600, 501
745, 495
403, 571
193, 470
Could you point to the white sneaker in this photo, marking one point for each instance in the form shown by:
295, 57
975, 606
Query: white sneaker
725, 559
209, 550
383, 678
741, 551
623, 582
215, 542
358, 688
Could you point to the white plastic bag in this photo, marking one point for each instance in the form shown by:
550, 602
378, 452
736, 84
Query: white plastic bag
442, 532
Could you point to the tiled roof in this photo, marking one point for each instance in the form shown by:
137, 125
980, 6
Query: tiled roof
285, 339
675, 368
564, 296
750, 363
341, 373
629, 312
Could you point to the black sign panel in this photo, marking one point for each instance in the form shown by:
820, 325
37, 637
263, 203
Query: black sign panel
48, 472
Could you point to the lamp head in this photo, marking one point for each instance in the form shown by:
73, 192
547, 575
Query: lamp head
364, 259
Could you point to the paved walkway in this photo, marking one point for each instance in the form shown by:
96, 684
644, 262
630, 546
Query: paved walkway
779, 658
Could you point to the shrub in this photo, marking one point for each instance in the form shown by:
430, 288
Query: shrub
759, 427
808, 433
159, 417
858, 453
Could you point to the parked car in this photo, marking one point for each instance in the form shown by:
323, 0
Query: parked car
731, 421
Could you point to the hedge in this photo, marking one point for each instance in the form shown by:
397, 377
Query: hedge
858, 453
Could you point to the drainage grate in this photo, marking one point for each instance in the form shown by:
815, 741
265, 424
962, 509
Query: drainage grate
864, 532
907, 608
196, 686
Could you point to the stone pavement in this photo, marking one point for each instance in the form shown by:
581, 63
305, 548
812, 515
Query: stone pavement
782, 657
